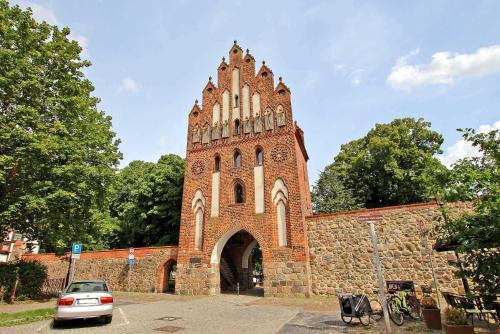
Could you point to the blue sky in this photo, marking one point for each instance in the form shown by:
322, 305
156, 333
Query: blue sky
349, 64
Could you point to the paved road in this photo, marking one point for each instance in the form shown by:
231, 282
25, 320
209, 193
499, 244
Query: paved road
220, 314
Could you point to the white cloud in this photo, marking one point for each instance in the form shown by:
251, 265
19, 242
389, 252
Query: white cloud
353, 74
42, 13
129, 85
163, 141
445, 68
356, 76
82, 40
463, 149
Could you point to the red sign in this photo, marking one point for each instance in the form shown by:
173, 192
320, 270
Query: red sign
370, 218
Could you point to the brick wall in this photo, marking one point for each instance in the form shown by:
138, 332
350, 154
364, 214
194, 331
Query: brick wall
111, 265
341, 249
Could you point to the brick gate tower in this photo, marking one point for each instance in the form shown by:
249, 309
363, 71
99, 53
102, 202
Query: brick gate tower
245, 186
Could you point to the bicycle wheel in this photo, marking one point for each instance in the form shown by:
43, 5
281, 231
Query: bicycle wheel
364, 318
395, 313
414, 309
377, 312
346, 319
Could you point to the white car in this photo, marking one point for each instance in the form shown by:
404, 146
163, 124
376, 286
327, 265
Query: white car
85, 300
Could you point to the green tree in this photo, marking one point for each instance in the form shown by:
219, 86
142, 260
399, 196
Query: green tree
330, 195
478, 232
393, 164
146, 199
58, 154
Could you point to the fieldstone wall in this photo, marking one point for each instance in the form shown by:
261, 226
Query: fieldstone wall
147, 275
288, 278
341, 249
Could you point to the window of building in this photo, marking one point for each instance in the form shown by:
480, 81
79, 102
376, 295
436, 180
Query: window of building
236, 100
259, 157
217, 164
238, 193
236, 127
237, 159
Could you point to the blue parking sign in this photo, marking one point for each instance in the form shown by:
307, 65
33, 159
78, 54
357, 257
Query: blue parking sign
76, 248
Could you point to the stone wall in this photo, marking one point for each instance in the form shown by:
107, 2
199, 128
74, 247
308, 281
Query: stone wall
147, 275
341, 249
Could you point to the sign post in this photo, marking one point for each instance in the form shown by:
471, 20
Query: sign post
76, 250
131, 262
371, 219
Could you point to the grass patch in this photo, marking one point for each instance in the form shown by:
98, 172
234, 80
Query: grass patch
18, 318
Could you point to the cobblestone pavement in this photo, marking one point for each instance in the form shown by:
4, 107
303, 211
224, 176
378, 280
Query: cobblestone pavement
157, 313
220, 314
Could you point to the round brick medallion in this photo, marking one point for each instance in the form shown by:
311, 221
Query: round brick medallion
280, 153
198, 167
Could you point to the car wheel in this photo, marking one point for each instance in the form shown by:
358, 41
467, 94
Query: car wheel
56, 323
108, 319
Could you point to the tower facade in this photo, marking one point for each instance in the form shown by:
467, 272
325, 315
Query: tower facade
245, 186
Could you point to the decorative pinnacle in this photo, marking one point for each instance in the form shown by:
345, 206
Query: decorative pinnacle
235, 41
210, 78
223, 59
196, 101
281, 79
248, 51
263, 62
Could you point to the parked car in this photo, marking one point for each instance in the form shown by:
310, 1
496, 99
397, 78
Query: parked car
85, 300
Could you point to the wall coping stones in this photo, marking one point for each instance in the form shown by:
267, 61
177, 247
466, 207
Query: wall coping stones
386, 208
100, 254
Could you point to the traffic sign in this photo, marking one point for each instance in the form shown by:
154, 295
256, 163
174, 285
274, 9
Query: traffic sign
75, 256
76, 248
131, 261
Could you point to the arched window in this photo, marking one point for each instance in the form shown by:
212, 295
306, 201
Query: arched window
259, 157
237, 159
236, 127
238, 193
217, 164
236, 98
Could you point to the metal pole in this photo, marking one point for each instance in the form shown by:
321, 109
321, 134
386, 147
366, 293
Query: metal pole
238, 288
433, 271
73, 268
129, 276
381, 291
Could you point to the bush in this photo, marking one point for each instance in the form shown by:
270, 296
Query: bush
32, 275
456, 316
429, 303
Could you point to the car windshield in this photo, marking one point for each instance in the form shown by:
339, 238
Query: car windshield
87, 287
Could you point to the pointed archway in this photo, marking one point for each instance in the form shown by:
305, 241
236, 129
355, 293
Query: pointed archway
237, 264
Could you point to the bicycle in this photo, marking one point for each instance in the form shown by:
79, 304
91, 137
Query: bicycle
401, 303
393, 307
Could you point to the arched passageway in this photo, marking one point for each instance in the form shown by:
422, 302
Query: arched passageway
241, 265
169, 273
